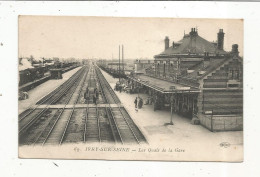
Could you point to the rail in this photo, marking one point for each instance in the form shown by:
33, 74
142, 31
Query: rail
113, 118
37, 139
73, 109
46, 107
87, 117
98, 122
49, 95
112, 94
58, 118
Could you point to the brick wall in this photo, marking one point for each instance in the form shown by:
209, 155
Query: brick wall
222, 123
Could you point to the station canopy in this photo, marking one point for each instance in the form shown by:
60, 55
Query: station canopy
163, 86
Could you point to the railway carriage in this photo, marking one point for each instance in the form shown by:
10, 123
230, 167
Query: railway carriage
30, 75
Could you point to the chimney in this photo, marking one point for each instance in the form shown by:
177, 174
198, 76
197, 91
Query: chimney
220, 44
235, 49
193, 32
173, 44
166, 41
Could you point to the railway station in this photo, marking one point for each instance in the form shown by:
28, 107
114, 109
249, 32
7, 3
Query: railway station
193, 85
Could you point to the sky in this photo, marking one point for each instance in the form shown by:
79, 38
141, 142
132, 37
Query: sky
100, 37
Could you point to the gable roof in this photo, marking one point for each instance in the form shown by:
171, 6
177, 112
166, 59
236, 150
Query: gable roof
192, 44
213, 65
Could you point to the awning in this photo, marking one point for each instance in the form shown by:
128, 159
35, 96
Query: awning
163, 86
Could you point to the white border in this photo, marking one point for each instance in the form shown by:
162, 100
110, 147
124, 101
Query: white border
10, 165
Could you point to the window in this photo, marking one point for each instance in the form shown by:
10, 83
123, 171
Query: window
233, 85
234, 74
178, 64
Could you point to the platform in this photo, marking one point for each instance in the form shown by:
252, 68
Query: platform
34, 83
182, 134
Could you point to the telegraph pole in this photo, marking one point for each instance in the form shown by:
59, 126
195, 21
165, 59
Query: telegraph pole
123, 59
119, 65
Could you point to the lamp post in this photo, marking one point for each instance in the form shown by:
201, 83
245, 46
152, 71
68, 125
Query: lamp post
171, 100
138, 90
171, 117
171, 123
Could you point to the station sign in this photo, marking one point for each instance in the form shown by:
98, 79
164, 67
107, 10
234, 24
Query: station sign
172, 87
208, 112
183, 88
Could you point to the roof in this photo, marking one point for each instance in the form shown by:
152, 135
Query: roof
116, 63
141, 71
163, 85
144, 61
194, 44
24, 64
212, 66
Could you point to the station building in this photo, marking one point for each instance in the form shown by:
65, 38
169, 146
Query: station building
197, 79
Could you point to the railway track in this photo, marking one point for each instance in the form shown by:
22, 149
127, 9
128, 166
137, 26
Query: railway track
124, 129
57, 132
111, 97
96, 125
92, 133
92, 124
33, 114
60, 91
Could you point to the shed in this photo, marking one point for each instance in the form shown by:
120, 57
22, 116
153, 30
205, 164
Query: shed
56, 73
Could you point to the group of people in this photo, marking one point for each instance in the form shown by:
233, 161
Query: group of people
94, 96
123, 85
138, 102
149, 101
120, 87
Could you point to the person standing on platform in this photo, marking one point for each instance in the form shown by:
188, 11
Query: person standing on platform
120, 88
87, 91
94, 99
140, 103
86, 95
97, 94
155, 104
135, 102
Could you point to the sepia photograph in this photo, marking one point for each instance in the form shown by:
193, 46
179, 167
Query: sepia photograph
130, 88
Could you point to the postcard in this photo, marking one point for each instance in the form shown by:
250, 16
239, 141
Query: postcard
130, 88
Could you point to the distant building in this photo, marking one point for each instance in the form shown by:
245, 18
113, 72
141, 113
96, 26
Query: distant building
142, 65
112, 67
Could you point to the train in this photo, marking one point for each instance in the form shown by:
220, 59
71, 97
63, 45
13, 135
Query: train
38, 71
31, 74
